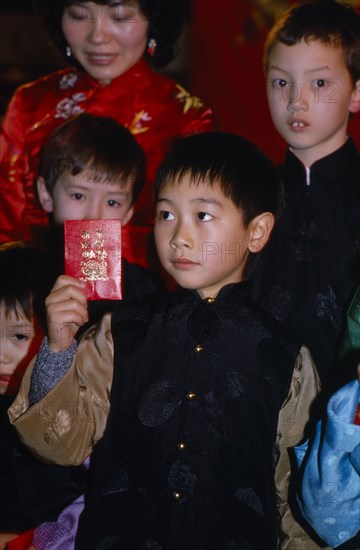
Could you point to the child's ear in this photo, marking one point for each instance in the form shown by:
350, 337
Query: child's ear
44, 196
260, 229
129, 214
354, 106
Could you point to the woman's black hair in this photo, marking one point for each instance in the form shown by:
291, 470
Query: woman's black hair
166, 20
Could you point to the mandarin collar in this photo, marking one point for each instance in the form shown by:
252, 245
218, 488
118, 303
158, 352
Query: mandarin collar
138, 70
325, 170
239, 292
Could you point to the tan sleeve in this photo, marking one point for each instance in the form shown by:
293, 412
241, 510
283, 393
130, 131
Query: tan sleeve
65, 425
294, 415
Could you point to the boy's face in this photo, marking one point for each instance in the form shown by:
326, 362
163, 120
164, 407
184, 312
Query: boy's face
20, 340
310, 94
81, 198
200, 236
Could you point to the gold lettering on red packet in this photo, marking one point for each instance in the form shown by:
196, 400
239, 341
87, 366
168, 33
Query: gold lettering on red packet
94, 266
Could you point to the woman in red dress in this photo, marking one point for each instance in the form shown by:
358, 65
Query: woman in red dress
113, 47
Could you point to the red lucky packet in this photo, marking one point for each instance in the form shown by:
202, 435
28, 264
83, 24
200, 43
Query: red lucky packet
93, 255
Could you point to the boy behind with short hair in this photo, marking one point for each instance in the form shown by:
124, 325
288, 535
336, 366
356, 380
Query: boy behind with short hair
311, 268
91, 167
31, 492
189, 401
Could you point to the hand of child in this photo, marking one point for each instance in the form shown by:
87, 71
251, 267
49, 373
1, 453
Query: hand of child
66, 311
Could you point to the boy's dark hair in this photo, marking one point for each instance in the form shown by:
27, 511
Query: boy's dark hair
99, 145
244, 174
331, 22
166, 20
26, 280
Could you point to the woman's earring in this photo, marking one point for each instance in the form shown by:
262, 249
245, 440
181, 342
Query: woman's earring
151, 48
68, 51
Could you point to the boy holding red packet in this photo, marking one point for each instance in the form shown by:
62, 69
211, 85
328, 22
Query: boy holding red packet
190, 400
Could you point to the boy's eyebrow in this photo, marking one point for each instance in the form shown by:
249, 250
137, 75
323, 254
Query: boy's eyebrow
20, 323
315, 70
208, 201
197, 200
162, 199
119, 192
276, 68
73, 186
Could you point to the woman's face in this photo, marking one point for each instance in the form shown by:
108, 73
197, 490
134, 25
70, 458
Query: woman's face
106, 40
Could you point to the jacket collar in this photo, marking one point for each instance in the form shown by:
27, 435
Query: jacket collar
139, 70
325, 170
239, 292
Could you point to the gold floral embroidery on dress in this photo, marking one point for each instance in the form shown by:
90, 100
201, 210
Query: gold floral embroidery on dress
94, 266
12, 170
136, 125
190, 101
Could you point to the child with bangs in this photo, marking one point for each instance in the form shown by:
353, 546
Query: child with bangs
91, 167
32, 492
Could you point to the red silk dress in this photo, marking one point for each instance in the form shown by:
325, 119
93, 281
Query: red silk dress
154, 108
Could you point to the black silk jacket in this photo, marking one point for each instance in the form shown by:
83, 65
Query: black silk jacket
187, 459
310, 270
